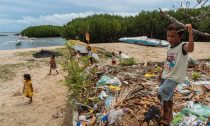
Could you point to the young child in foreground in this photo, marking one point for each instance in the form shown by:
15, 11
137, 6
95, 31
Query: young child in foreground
27, 87
175, 68
52, 64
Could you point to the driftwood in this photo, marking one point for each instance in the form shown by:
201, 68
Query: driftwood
174, 20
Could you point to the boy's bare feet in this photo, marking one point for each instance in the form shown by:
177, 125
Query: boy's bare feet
164, 122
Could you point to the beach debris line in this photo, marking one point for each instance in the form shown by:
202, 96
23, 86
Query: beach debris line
127, 95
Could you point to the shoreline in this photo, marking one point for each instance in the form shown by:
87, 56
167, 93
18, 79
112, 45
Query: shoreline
139, 52
31, 49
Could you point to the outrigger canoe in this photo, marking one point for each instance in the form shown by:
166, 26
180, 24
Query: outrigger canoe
143, 40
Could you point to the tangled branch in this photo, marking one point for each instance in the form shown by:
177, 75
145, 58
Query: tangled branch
174, 20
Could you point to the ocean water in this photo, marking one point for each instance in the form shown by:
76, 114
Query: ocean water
8, 41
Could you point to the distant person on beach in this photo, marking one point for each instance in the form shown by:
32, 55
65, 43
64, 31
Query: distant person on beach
87, 38
113, 59
175, 68
90, 55
52, 64
27, 87
120, 55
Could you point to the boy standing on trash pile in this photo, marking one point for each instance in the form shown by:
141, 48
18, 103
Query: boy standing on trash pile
175, 68
208, 122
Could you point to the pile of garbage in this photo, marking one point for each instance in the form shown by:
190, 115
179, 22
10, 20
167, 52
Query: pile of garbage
127, 95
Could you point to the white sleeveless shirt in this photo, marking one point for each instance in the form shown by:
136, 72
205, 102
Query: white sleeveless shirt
175, 67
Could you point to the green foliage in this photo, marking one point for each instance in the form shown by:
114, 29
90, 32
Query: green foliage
178, 118
158, 68
196, 75
109, 28
75, 79
128, 62
85, 61
43, 31
102, 27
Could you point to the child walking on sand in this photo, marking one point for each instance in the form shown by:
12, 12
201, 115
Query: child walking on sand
113, 59
175, 68
52, 64
27, 87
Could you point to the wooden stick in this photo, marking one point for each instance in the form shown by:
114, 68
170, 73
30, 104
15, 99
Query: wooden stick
174, 20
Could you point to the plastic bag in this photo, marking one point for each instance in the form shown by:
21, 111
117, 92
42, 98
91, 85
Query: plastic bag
114, 115
103, 95
107, 80
115, 81
103, 80
108, 101
197, 109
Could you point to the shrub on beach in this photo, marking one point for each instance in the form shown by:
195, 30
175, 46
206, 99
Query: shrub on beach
196, 75
128, 62
78, 77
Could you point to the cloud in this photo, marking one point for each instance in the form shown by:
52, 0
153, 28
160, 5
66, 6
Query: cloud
123, 5
24, 13
55, 19
60, 19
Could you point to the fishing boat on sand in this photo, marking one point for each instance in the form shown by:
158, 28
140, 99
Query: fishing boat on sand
143, 40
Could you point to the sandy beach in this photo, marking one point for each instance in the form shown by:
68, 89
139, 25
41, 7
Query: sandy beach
50, 92
153, 54
49, 103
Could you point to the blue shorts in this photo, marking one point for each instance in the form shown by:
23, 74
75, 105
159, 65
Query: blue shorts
166, 90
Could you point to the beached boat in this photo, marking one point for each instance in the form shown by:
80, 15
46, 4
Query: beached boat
82, 48
143, 40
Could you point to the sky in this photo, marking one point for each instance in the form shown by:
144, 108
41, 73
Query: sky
15, 15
